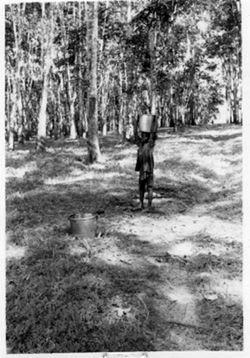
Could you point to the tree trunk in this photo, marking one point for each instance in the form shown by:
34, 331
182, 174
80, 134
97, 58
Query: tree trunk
94, 154
71, 105
81, 109
15, 114
103, 111
12, 119
46, 58
121, 122
70, 94
152, 45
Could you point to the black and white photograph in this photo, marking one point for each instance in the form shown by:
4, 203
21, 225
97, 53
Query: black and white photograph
123, 135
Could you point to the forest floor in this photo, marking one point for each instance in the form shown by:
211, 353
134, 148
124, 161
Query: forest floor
165, 280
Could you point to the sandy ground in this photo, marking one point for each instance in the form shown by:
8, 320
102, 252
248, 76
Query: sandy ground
208, 230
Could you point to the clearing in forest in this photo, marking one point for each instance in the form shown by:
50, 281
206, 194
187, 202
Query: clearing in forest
170, 279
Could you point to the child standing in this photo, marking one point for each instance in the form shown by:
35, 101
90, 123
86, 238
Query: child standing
145, 166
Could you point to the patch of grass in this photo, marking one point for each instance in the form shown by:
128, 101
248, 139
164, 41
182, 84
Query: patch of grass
62, 300
226, 325
208, 262
59, 303
187, 167
230, 211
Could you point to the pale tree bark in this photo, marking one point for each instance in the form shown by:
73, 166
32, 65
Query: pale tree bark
121, 123
82, 111
70, 93
94, 154
152, 46
19, 78
105, 75
127, 117
12, 118
15, 77
47, 34
104, 102
88, 61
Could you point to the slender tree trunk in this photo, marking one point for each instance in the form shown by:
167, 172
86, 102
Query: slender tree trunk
15, 119
88, 60
12, 119
82, 115
152, 45
103, 108
94, 153
71, 96
121, 122
46, 57
19, 79
172, 122
235, 89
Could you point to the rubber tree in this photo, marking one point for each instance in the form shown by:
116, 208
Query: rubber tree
14, 70
94, 154
46, 49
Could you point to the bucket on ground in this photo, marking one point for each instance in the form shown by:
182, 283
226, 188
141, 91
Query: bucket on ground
83, 225
147, 123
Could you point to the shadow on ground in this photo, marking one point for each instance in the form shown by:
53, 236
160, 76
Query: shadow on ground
38, 205
214, 138
63, 302
59, 302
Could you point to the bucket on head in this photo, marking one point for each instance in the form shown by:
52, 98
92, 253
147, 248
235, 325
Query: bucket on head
84, 225
147, 123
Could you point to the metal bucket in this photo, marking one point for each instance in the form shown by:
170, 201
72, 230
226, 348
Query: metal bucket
147, 123
84, 226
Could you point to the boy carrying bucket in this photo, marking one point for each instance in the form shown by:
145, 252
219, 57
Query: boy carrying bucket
145, 158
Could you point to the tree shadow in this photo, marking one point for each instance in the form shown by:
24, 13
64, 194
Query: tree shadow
229, 211
59, 302
189, 194
187, 166
55, 203
214, 138
52, 203
226, 324
222, 316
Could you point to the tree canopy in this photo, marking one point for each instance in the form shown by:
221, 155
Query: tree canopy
181, 59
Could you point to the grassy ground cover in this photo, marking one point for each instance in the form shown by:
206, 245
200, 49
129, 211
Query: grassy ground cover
170, 279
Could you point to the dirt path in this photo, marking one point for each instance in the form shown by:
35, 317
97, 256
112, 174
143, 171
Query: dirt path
195, 250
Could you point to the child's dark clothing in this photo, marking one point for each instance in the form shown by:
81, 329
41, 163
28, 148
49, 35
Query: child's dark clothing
145, 160
145, 167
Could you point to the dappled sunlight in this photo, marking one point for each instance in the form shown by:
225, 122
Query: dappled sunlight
126, 162
81, 177
16, 195
181, 295
15, 252
205, 225
20, 172
218, 283
173, 269
215, 132
182, 249
230, 289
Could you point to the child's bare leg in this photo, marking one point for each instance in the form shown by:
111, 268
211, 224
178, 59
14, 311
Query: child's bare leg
142, 192
150, 189
150, 196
